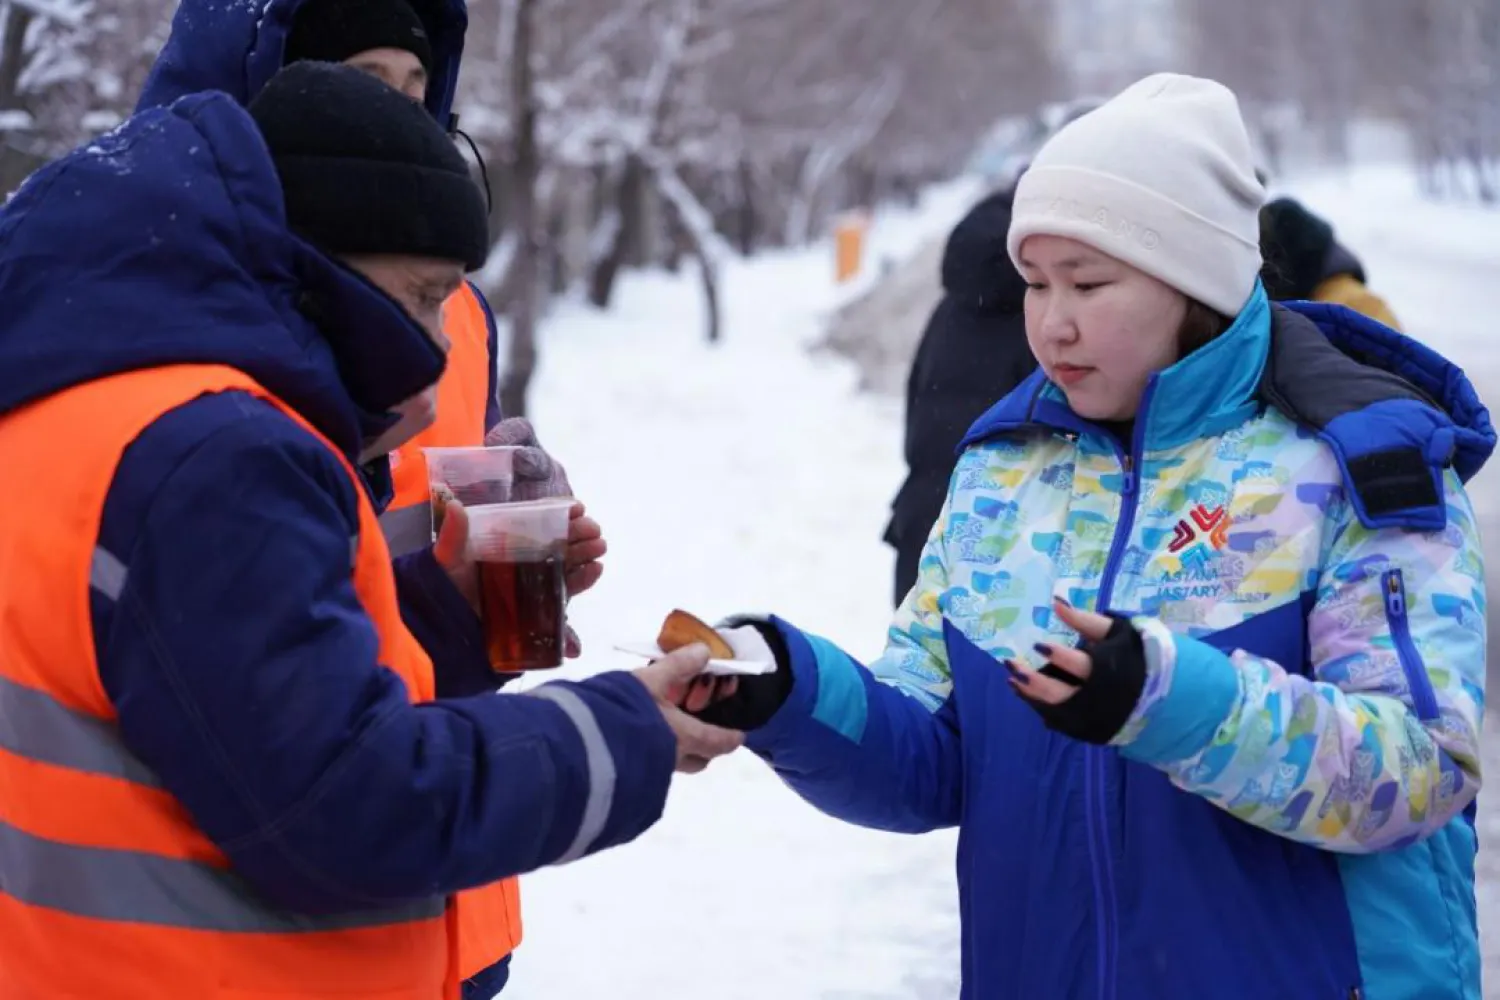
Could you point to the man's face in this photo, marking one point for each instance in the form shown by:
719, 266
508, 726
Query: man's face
396, 68
420, 285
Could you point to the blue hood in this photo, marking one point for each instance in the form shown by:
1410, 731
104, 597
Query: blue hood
164, 242
237, 45
1460, 428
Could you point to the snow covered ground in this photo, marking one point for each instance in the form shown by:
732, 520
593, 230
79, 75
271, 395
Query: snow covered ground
753, 476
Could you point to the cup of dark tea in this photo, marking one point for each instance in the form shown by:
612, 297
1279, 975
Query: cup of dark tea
474, 477
519, 550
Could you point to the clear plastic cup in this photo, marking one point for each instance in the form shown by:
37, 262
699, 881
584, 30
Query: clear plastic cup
472, 476
519, 549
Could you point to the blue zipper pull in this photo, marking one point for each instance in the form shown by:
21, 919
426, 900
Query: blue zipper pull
1395, 595
1128, 485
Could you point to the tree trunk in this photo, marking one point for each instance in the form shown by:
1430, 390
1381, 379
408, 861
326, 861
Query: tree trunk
710, 275
521, 363
15, 164
13, 54
1484, 185
747, 221
616, 230
695, 224
683, 242
557, 264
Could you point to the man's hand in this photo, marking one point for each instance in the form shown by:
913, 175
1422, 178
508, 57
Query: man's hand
669, 680
452, 552
586, 546
538, 474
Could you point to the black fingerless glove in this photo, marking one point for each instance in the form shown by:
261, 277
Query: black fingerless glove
1103, 703
756, 698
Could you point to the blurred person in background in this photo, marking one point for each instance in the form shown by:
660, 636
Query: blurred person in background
1304, 261
973, 352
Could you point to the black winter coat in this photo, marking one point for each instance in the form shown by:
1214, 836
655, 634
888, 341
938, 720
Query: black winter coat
972, 354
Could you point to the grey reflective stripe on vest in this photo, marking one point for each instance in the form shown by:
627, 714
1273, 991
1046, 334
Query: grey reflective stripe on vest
38, 727
407, 529
130, 887
123, 885
601, 767
107, 574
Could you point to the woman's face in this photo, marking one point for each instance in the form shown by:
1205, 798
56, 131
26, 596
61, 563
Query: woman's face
1100, 328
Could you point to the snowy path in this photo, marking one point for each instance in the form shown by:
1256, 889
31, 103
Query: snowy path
747, 478
755, 478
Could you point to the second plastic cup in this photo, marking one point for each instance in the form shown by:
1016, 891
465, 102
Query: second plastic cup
520, 550
472, 476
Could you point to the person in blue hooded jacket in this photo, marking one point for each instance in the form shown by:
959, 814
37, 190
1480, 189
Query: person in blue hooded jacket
415, 48
1195, 659
239, 683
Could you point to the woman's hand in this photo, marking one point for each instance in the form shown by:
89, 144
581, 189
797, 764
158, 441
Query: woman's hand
1090, 692
1067, 669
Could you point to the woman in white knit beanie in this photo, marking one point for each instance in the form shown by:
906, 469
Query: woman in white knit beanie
1150, 207
1195, 659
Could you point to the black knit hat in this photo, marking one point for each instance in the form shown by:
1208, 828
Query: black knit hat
364, 170
1294, 244
335, 30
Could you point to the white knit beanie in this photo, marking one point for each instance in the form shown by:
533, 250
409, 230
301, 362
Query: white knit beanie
1160, 177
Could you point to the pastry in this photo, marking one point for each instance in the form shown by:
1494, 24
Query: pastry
682, 629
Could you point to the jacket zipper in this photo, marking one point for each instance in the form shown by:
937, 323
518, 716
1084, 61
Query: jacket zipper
1096, 759
1422, 697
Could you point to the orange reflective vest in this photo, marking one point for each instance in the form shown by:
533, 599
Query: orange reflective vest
107, 887
489, 917
462, 395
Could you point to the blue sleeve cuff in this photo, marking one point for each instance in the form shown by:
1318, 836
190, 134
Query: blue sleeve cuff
1191, 689
858, 748
442, 621
827, 688
628, 752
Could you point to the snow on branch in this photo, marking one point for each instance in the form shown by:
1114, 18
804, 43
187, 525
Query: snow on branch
704, 241
623, 17
870, 112
69, 13
657, 88
696, 219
